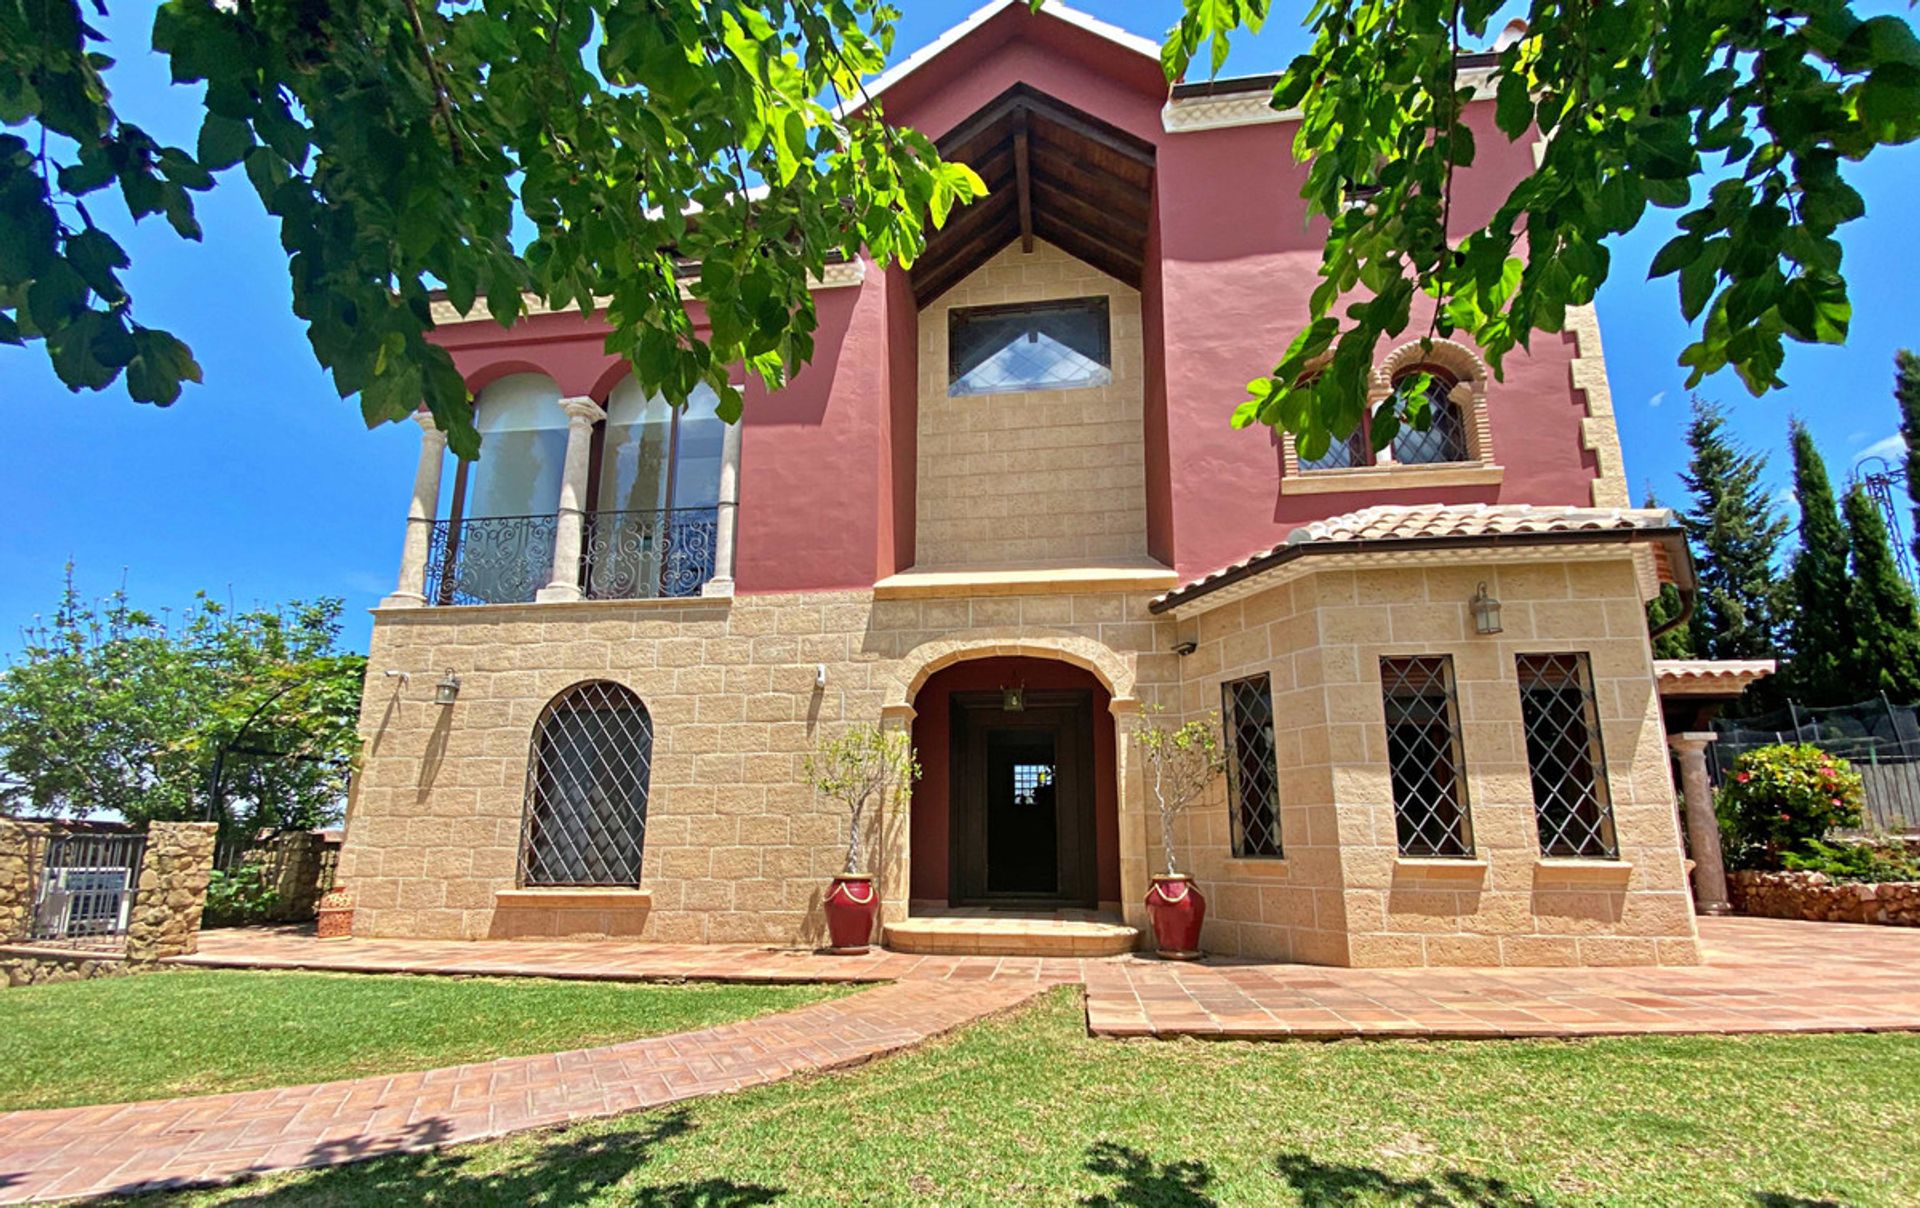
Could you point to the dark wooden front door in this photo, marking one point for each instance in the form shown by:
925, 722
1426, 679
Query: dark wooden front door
1022, 801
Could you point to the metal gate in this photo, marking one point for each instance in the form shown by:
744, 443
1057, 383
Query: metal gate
87, 887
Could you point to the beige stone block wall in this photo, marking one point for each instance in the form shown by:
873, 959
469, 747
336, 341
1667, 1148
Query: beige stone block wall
1321, 637
737, 848
1040, 476
1290, 907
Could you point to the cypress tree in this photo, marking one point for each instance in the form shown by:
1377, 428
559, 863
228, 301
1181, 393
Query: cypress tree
1820, 631
1676, 643
1906, 392
1735, 533
1886, 631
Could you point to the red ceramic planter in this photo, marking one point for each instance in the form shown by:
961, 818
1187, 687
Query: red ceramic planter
1177, 909
851, 905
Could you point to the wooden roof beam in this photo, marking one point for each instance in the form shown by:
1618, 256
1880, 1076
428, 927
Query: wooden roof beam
1022, 182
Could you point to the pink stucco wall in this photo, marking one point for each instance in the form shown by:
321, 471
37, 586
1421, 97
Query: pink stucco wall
827, 481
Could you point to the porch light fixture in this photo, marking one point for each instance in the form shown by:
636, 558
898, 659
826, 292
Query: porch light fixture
1013, 700
448, 689
1486, 611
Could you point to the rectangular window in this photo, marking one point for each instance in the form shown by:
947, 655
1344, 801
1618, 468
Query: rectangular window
1423, 755
1564, 757
1030, 346
1253, 784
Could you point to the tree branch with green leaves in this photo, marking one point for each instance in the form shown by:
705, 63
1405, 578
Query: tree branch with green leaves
586, 153
1736, 114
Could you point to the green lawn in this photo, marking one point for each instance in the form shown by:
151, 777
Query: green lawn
191, 1033
1026, 1109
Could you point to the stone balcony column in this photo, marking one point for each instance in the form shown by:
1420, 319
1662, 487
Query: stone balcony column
1703, 828
726, 514
411, 591
569, 532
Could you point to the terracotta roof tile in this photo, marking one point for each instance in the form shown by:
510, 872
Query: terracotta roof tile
1437, 522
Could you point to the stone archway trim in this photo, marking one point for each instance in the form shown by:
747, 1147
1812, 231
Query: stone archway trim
920, 664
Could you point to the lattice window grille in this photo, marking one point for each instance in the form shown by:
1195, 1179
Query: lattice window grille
1445, 439
1565, 759
585, 821
1253, 780
1059, 345
1424, 757
1345, 454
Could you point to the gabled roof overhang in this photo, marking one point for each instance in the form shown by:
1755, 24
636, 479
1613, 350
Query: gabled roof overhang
1052, 172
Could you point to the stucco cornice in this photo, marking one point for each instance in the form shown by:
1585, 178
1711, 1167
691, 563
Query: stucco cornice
837, 275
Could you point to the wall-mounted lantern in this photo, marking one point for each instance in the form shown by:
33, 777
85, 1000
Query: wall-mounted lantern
1013, 700
448, 689
1486, 611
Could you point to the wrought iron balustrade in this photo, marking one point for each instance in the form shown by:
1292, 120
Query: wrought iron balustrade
623, 556
640, 555
489, 559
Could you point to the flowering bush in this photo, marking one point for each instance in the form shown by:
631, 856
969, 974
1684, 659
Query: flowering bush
1783, 799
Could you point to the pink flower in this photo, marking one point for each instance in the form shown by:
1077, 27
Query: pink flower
1786, 817
1836, 801
1743, 777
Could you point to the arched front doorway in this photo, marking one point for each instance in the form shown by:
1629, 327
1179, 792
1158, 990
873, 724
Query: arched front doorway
1018, 802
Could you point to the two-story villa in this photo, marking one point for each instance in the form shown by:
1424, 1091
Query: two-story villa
1004, 510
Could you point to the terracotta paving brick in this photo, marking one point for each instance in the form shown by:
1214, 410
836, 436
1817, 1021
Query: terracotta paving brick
1760, 976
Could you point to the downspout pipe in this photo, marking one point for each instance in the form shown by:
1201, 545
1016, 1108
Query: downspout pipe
1687, 597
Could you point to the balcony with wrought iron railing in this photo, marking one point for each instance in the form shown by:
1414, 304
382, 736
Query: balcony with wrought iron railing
627, 555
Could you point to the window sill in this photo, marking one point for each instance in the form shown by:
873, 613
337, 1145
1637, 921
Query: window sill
1257, 867
1391, 478
1552, 868
568, 898
1465, 868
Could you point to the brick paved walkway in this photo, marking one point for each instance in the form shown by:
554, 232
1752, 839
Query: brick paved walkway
1761, 976
87, 1151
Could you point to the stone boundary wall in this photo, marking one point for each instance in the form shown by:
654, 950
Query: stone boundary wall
173, 891
29, 966
1817, 898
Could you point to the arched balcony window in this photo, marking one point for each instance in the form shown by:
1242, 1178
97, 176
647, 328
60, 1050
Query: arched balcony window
571, 499
497, 545
656, 493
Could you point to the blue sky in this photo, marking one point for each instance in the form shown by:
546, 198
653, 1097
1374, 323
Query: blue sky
262, 485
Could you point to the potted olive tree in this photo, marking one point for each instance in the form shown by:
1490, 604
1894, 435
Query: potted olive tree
1180, 762
858, 769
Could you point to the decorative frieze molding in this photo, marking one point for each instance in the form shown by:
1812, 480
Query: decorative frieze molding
1254, 107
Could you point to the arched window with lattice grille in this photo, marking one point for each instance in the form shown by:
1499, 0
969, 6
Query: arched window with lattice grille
1444, 439
586, 813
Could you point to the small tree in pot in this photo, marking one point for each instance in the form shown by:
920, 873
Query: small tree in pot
858, 769
1181, 763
